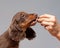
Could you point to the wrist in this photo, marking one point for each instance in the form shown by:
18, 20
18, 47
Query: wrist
58, 36
57, 30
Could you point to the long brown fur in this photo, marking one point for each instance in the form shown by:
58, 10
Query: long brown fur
18, 30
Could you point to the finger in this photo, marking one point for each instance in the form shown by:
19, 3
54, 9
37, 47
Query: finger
44, 23
46, 19
49, 28
46, 16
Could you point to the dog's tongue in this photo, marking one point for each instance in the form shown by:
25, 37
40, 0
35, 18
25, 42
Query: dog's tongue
33, 23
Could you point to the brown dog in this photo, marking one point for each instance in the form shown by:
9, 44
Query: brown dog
18, 30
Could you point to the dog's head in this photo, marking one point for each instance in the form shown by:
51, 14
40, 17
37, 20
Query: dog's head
20, 26
24, 19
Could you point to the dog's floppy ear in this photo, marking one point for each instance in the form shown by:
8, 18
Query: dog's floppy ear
30, 33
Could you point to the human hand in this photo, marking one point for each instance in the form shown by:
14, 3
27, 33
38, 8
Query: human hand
48, 21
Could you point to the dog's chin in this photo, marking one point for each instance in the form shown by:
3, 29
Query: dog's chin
33, 23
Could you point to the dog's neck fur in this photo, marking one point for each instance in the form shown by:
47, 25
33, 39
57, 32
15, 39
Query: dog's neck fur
9, 42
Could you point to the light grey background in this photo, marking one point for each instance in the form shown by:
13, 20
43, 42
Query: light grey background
8, 8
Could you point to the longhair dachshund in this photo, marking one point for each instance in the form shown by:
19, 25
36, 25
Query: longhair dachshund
19, 29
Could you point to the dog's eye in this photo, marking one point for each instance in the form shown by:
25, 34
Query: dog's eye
23, 16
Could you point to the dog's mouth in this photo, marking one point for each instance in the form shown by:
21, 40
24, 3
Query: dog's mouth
33, 22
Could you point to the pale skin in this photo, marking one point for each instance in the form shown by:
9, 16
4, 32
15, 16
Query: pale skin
50, 23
